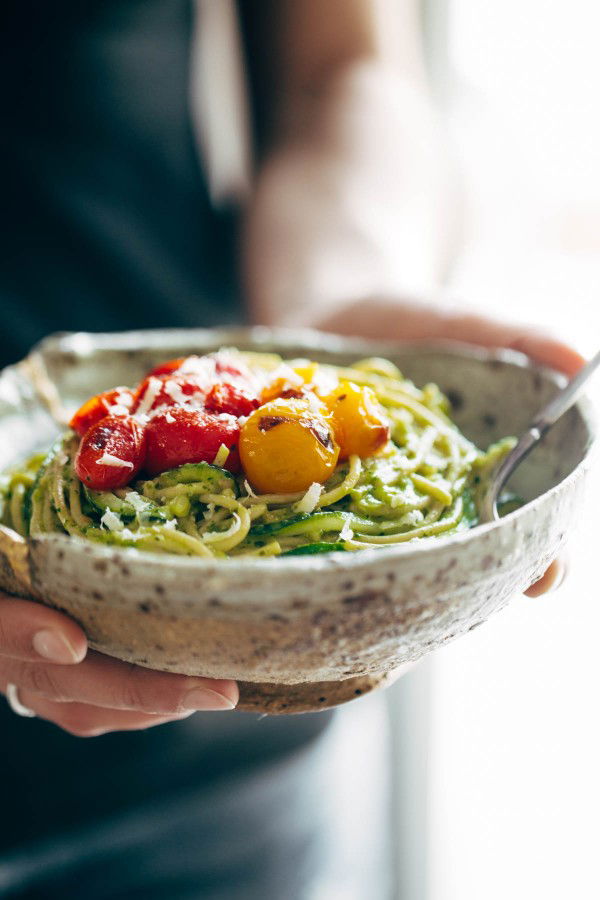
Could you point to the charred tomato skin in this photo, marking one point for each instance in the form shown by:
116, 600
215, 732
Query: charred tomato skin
123, 438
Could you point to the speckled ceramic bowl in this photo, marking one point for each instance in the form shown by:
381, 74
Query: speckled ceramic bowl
299, 633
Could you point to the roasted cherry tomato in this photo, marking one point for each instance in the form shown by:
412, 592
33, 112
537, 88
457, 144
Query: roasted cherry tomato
178, 389
284, 382
101, 405
359, 421
297, 381
212, 364
167, 368
111, 453
227, 364
229, 398
287, 444
177, 436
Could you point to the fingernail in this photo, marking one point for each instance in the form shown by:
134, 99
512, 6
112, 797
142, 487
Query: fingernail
206, 699
564, 571
558, 573
54, 646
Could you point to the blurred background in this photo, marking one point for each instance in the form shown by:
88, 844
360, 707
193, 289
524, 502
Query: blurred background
496, 737
498, 786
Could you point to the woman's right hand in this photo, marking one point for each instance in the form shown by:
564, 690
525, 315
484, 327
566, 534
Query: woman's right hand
45, 655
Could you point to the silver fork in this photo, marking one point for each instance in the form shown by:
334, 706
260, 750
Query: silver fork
542, 422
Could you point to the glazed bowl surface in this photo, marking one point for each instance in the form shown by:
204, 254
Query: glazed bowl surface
299, 633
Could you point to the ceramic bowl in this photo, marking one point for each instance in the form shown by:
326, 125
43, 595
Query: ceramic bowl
299, 633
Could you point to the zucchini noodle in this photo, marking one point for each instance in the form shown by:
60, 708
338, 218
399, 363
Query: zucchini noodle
424, 483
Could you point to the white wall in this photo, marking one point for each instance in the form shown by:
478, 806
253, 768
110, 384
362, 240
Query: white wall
514, 775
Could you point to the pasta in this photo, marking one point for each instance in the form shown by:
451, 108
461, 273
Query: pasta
423, 482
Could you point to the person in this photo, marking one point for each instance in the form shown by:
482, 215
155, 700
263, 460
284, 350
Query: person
109, 224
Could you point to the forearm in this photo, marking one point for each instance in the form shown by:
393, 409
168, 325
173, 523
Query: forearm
296, 49
354, 194
354, 199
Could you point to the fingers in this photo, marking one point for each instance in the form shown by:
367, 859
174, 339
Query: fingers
81, 720
38, 649
551, 580
543, 348
30, 631
549, 352
105, 682
415, 321
488, 332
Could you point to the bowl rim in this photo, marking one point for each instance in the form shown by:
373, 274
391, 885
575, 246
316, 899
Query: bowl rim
286, 338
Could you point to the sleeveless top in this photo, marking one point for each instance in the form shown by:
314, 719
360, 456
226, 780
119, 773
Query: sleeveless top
107, 221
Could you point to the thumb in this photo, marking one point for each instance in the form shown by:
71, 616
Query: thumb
32, 632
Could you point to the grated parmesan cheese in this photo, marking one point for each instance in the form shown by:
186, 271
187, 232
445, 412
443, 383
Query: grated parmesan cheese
221, 456
111, 521
175, 393
143, 509
248, 489
346, 534
107, 459
308, 503
117, 409
150, 395
121, 404
203, 368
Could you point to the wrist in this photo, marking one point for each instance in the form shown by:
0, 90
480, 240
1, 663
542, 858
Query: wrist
336, 109
356, 199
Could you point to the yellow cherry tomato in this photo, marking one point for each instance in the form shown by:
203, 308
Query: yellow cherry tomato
307, 370
287, 444
359, 421
290, 381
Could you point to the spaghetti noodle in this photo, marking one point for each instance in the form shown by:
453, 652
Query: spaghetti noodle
424, 482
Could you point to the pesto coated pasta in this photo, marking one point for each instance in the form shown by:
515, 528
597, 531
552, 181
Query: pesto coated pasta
423, 480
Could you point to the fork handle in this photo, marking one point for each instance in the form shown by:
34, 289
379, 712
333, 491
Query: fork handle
544, 420
564, 399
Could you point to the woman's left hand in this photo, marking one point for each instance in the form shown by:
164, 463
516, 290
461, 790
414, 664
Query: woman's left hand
420, 321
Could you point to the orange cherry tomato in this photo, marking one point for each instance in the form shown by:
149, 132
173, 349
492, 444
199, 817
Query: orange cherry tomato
177, 436
287, 444
284, 383
359, 421
98, 407
111, 453
167, 367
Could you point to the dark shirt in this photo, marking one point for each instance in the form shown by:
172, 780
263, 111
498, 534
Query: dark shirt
106, 218
107, 225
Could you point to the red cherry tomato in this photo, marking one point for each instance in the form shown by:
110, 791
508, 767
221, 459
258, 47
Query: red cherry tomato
167, 368
169, 390
229, 398
111, 453
179, 436
98, 407
225, 364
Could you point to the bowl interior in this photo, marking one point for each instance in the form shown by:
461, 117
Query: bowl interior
493, 394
